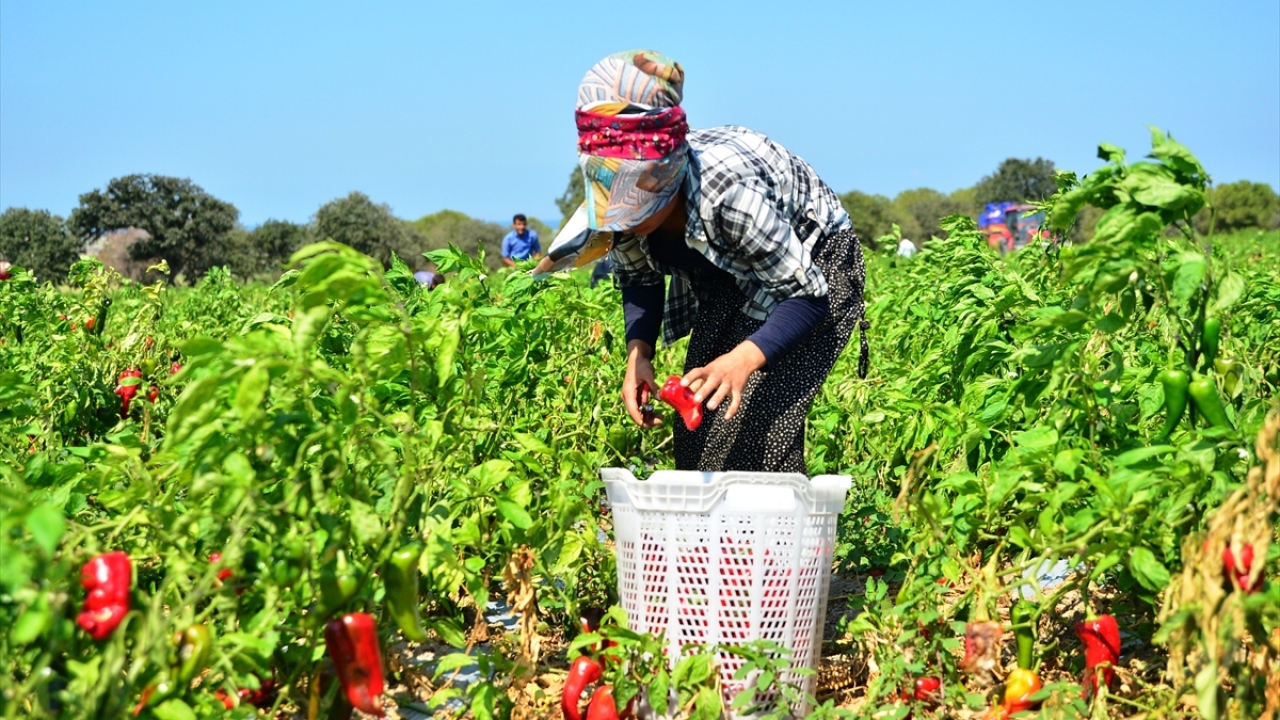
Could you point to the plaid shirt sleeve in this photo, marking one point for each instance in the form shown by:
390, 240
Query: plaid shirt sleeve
767, 247
631, 267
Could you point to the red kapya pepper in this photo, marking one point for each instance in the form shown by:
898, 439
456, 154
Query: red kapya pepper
602, 706
681, 398
107, 577
175, 368
153, 394
352, 642
582, 673
1101, 638
1239, 565
127, 392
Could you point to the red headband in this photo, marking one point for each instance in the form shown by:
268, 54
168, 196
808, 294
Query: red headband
651, 136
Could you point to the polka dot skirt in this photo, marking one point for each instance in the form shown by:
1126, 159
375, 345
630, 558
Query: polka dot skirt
767, 434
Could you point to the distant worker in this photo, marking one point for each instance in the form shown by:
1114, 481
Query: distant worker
906, 248
521, 243
428, 278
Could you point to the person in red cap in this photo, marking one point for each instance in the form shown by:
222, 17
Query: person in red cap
766, 274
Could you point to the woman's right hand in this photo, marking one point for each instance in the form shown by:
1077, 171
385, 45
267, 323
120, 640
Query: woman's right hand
640, 372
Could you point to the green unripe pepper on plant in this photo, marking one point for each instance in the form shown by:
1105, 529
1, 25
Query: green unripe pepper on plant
1023, 618
195, 647
1204, 394
400, 576
288, 570
338, 583
1175, 384
1209, 337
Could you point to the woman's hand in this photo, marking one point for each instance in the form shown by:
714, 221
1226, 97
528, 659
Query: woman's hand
726, 376
640, 371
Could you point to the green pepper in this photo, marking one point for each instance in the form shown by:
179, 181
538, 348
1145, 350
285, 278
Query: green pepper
1023, 618
1204, 395
1231, 372
1209, 337
1175, 399
338, 583
400, 575
288, 570
195, 646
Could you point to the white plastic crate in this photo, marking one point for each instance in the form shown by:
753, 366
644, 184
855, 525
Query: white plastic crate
725, 558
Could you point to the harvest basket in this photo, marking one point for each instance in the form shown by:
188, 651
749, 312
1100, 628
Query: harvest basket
726, 558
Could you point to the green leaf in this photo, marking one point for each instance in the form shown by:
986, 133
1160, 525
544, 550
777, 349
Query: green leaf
1229, 290
1110, 323
253, 387
31, 623
515, 514
366, 523
47, 525
1148, 571
173, 709
1189, 276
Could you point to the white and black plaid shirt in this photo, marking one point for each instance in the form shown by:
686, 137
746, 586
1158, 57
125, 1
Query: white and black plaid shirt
759, 211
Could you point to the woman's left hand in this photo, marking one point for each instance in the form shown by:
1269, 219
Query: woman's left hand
726, 376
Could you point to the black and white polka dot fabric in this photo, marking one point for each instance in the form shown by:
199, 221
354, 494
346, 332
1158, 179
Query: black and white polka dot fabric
767, 434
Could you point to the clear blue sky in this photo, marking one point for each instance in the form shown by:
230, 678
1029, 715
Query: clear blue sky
279, 107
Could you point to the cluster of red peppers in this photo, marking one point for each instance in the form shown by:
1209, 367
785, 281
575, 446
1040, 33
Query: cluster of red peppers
352, 643
586, 672
107, 577
127, 392
1239, 567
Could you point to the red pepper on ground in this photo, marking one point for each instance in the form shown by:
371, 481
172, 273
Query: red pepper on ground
681, 398
1239, 565
582, 673
602, 706
1101, 638
352, 642
927, 689
127, 392
107, 577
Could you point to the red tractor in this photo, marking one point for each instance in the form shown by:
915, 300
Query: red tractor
1009, 226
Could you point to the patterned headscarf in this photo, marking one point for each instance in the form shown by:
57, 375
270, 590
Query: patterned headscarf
631, 133
632, 151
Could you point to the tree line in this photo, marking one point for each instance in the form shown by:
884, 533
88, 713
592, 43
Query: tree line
138, 220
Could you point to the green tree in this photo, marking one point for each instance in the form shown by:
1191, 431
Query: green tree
39, 242
187, 226
1017, 181
450, 227
1242, 205
366, 226
926, 207
572, 197
263, 251
873, 215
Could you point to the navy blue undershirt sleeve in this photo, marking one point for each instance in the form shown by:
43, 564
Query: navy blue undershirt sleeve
788, 325
642, 311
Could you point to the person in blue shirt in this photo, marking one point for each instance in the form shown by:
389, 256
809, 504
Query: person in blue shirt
521, 243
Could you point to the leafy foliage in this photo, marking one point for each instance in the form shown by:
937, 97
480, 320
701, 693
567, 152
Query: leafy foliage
369, 228
187, 227
39, 242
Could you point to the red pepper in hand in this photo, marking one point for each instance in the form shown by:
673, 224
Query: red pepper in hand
681, 398
107, 577
583, 672
352, 642
1101, 638
602, 706
1239, 565
127, 392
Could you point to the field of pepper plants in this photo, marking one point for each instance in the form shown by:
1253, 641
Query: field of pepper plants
305, 500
